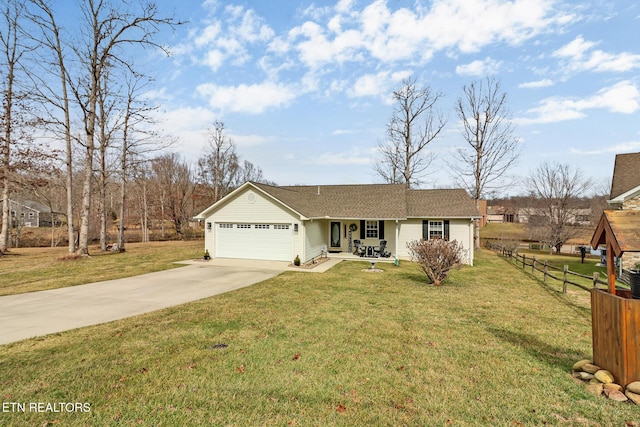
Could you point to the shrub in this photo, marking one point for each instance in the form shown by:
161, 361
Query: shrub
296, 261
436, 257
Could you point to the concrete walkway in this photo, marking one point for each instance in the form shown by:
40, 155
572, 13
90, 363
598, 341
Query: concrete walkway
39, 313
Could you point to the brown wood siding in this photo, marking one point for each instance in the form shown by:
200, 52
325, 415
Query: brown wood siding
616, 335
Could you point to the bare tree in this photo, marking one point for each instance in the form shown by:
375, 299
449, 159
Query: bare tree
414, 124
488, 131
492, 147
175, 180
108, 28
136, 143
556, 187
12, 51
58, 99
219, 167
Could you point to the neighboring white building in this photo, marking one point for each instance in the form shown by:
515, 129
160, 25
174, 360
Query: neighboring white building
259, 221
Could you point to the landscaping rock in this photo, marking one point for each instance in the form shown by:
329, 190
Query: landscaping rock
613, 386
584, 376
616, 395
634, 387
590, 368
604, 376
578, 365
595, 389
634, 397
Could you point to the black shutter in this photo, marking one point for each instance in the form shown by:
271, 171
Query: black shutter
446, 229
363, 231
425, 229
381, 230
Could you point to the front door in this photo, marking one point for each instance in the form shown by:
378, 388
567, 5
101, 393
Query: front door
335, 235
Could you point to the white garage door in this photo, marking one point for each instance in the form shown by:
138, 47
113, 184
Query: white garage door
253, 241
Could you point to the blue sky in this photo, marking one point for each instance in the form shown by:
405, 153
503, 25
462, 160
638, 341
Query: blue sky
304, 87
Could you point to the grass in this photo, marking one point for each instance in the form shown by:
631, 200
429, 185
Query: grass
36, 269
491, 347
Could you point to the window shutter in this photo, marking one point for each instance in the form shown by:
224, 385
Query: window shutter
381, 230
425, 229
446, 229
363, 230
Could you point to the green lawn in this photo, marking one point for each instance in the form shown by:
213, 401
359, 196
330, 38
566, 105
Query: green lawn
491, 347
36, 269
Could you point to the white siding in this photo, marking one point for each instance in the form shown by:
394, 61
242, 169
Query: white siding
315, 232
459, 229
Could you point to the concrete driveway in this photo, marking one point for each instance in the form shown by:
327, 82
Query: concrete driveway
45, 312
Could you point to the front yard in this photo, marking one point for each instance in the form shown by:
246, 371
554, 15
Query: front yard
491, 347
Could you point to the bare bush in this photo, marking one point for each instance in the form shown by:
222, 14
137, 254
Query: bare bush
436, 257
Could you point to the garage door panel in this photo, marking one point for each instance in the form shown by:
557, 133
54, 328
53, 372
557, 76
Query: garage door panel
254, 241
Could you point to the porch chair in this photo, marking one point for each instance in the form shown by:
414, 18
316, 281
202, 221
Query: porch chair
381, 250
359, 248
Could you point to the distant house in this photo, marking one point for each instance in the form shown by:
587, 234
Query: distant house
29, 213
501, 214
259, 221
625, 193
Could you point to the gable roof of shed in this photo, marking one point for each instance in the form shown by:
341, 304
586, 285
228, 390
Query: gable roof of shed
621, 229
625, 174
375, 201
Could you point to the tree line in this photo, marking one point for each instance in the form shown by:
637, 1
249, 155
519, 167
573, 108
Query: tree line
77, 130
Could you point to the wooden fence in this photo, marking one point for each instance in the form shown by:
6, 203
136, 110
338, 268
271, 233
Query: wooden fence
564, 275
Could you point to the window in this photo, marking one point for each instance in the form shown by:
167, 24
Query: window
281, 226
435, 229
31, 215
245, 226
223, 225
262, 226
371, 228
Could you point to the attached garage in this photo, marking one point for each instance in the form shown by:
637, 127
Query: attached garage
253, 241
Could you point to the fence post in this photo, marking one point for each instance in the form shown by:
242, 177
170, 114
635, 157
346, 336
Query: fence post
596, 278
564, 279
544, 280
533, 265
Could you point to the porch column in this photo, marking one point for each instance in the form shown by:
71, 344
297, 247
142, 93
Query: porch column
397, 239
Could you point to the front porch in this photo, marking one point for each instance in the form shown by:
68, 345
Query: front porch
348, 238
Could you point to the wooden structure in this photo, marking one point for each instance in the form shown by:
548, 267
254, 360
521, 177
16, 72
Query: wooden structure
615, 316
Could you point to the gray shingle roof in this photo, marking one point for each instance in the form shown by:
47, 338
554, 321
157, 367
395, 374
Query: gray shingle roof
626, 174
374, 201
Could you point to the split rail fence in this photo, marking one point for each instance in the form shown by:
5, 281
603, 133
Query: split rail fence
564, 275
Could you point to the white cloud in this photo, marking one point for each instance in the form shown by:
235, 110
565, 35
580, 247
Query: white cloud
623, 147
580, 56
355, 156
479, 68
249, 140
623, 97
379, 84
469, 26
342, 34
230, 37
251, 99
536, 84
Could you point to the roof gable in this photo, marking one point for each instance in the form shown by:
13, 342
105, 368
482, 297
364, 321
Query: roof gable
626, 175
619, 228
